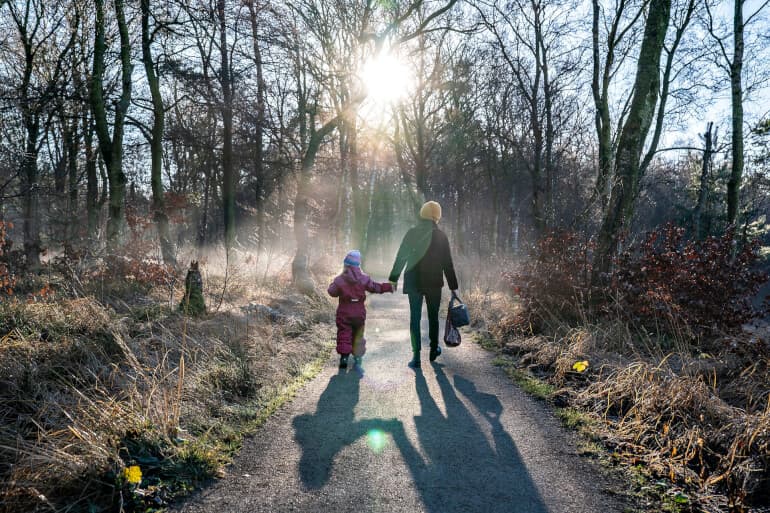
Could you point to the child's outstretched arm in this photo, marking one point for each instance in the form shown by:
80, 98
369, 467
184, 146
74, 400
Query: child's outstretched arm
378, 288
334, 289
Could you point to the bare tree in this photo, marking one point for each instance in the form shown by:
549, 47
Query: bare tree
528, 37
156, 137
259, 136
419, 117
325, 75
229, 179
37, 24
622, 27
680, 20
633, 135
111, 146
732, 63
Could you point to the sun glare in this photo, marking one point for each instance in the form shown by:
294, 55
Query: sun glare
386, 78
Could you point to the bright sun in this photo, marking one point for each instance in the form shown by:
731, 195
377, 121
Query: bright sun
387, 80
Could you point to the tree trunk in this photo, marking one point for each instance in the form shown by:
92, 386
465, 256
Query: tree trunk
112, 147
92, 181
156, 141
340, 222
105, 192
420, 156
494, 228
60, 166
29, 170
203, 225
117, 178
632, 137
548, 93
736, 97
459, 234
599, 88
360, 192
259, 135
228, 178
300, 267
703, 186
536, 173
73, 149
31, 193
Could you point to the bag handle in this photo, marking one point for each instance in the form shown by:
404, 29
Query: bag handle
453, 298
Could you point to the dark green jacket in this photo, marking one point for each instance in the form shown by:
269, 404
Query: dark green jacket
425, 254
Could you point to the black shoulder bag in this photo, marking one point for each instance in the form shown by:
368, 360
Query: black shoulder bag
457, 316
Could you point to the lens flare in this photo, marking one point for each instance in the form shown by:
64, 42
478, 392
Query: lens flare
376, 440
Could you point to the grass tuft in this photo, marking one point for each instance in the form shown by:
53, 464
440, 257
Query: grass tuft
89, 387
694, 417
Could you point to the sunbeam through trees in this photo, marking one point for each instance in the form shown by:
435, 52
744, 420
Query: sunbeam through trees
599, 164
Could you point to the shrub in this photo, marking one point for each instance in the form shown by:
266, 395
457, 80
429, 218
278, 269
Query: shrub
691, 288
667, 284
7, 279
555, 283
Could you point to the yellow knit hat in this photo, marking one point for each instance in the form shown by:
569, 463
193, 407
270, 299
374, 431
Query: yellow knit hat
431, 210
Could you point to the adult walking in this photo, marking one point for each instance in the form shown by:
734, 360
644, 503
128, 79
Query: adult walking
425, 254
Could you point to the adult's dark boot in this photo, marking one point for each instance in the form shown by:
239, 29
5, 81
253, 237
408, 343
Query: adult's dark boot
415, 363
435, 353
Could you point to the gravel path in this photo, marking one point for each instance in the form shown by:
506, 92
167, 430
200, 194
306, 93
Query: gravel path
456, 436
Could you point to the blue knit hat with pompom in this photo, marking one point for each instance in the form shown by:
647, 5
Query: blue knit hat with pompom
353, 258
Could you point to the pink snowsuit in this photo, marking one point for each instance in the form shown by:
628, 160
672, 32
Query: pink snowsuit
351, 287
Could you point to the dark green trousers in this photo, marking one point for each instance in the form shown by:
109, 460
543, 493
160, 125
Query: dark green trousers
433, 302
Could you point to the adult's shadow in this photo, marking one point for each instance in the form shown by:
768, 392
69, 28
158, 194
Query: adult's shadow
464, 470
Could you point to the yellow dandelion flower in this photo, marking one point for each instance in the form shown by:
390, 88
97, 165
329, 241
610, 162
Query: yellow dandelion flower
580, 366
133, 474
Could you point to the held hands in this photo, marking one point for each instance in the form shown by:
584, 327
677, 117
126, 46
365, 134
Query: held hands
394, 284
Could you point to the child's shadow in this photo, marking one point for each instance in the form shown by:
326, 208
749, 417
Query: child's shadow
322, 435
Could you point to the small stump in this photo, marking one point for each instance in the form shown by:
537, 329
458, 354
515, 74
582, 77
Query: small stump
192, 302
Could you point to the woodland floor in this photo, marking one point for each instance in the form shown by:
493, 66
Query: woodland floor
457, 436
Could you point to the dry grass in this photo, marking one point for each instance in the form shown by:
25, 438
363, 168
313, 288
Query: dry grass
697, 417
87, 389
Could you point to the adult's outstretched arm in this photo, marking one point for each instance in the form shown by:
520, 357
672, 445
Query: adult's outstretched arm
401, 258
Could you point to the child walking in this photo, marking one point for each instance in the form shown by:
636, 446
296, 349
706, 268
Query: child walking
351, 287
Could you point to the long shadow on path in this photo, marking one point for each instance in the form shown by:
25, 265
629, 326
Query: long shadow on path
462, 465
324, 434
333, 426
465, 471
